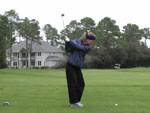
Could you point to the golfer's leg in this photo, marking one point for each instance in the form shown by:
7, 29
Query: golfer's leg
71, 83
81, 84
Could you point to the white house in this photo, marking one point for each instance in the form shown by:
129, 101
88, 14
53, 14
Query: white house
43, 54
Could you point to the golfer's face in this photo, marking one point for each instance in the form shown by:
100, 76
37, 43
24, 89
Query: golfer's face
90, 42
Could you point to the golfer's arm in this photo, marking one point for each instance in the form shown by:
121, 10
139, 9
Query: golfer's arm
78, 46
68, 47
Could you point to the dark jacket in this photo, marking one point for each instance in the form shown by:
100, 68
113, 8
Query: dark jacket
78, 52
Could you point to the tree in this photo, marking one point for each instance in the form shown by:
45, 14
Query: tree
3, 40
146, 34
108, 36
13, 19
30, 31
108, 33
74, 30
88, 24
132, 33
51, 34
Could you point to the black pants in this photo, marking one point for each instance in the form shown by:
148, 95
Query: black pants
75, 82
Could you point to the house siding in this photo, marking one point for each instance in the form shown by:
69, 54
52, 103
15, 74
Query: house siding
38, 58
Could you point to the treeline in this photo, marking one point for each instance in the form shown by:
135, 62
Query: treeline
112, 46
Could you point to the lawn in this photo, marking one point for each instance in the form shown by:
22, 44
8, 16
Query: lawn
45, 91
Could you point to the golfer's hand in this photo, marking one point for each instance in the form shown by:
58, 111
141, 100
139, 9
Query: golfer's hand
66, 39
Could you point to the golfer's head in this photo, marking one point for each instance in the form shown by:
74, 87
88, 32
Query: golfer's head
88, 38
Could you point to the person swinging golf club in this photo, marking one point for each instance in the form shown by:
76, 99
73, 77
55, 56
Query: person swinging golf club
77, 48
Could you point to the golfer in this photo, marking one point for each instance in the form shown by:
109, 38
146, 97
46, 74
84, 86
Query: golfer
78, 48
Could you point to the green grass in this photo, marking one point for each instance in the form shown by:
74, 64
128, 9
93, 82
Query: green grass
45, 91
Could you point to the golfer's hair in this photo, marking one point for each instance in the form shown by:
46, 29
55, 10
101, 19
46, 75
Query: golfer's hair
83, 37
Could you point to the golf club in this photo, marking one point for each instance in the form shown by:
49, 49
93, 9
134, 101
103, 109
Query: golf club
62, 15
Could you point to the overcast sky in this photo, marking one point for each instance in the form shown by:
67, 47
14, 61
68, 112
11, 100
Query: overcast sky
49, 11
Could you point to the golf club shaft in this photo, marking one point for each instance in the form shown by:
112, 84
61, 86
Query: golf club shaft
63, 24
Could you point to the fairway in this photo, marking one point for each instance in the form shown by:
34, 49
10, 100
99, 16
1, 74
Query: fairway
45, 91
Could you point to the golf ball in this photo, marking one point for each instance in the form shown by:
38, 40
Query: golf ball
116, 104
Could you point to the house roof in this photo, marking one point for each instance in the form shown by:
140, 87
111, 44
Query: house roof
36, 47
53, 58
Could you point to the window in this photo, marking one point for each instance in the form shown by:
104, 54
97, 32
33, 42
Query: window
39, 53
14, 63
8, 63
39, 63
32, 54
23, 63
8, 54
33, 63
15, 54
23, 55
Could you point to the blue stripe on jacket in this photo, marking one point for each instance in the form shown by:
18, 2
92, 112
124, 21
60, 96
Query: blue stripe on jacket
77, 52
